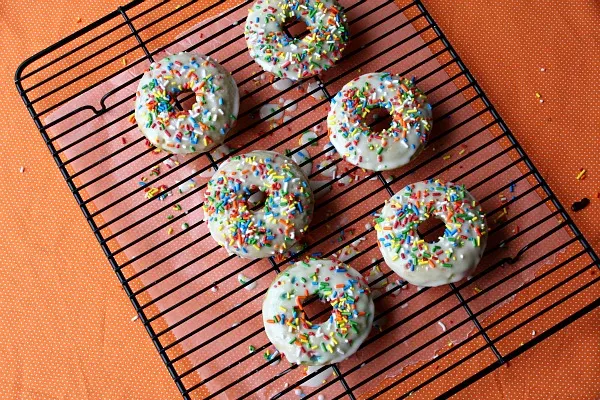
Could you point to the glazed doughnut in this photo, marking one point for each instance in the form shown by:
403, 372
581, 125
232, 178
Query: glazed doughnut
334, 340
293, 58
271, 229
454, 256
202, 127
395, 146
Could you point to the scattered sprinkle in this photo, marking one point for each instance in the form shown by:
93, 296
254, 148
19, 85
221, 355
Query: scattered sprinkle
243, 280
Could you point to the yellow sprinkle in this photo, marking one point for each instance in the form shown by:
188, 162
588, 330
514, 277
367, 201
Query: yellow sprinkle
538, 95
170, 231
446, 157
581, 174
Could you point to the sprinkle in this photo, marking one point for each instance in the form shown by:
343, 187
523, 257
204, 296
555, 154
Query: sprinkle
581, 174
22, 169
441, 324
185, 225
251, 349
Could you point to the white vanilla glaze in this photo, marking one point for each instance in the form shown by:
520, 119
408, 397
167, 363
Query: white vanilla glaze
272, 228
206, 124
395, 146
454, 255
295, 58
333, 340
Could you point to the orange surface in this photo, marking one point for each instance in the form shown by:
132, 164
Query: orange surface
66, 325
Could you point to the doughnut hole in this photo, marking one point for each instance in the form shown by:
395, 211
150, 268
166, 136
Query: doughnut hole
378, 120
296, 29
186, 100
432, 229
256, 198
317, 311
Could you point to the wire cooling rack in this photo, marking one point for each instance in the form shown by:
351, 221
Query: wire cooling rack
80, 91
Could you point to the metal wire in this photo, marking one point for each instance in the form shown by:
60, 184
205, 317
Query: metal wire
45, 85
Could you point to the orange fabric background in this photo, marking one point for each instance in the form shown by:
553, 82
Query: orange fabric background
65, 324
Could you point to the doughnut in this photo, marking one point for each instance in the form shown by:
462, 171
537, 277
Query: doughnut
455, 254
245, 228
295, 58
199, 129
393, 147
334, 340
